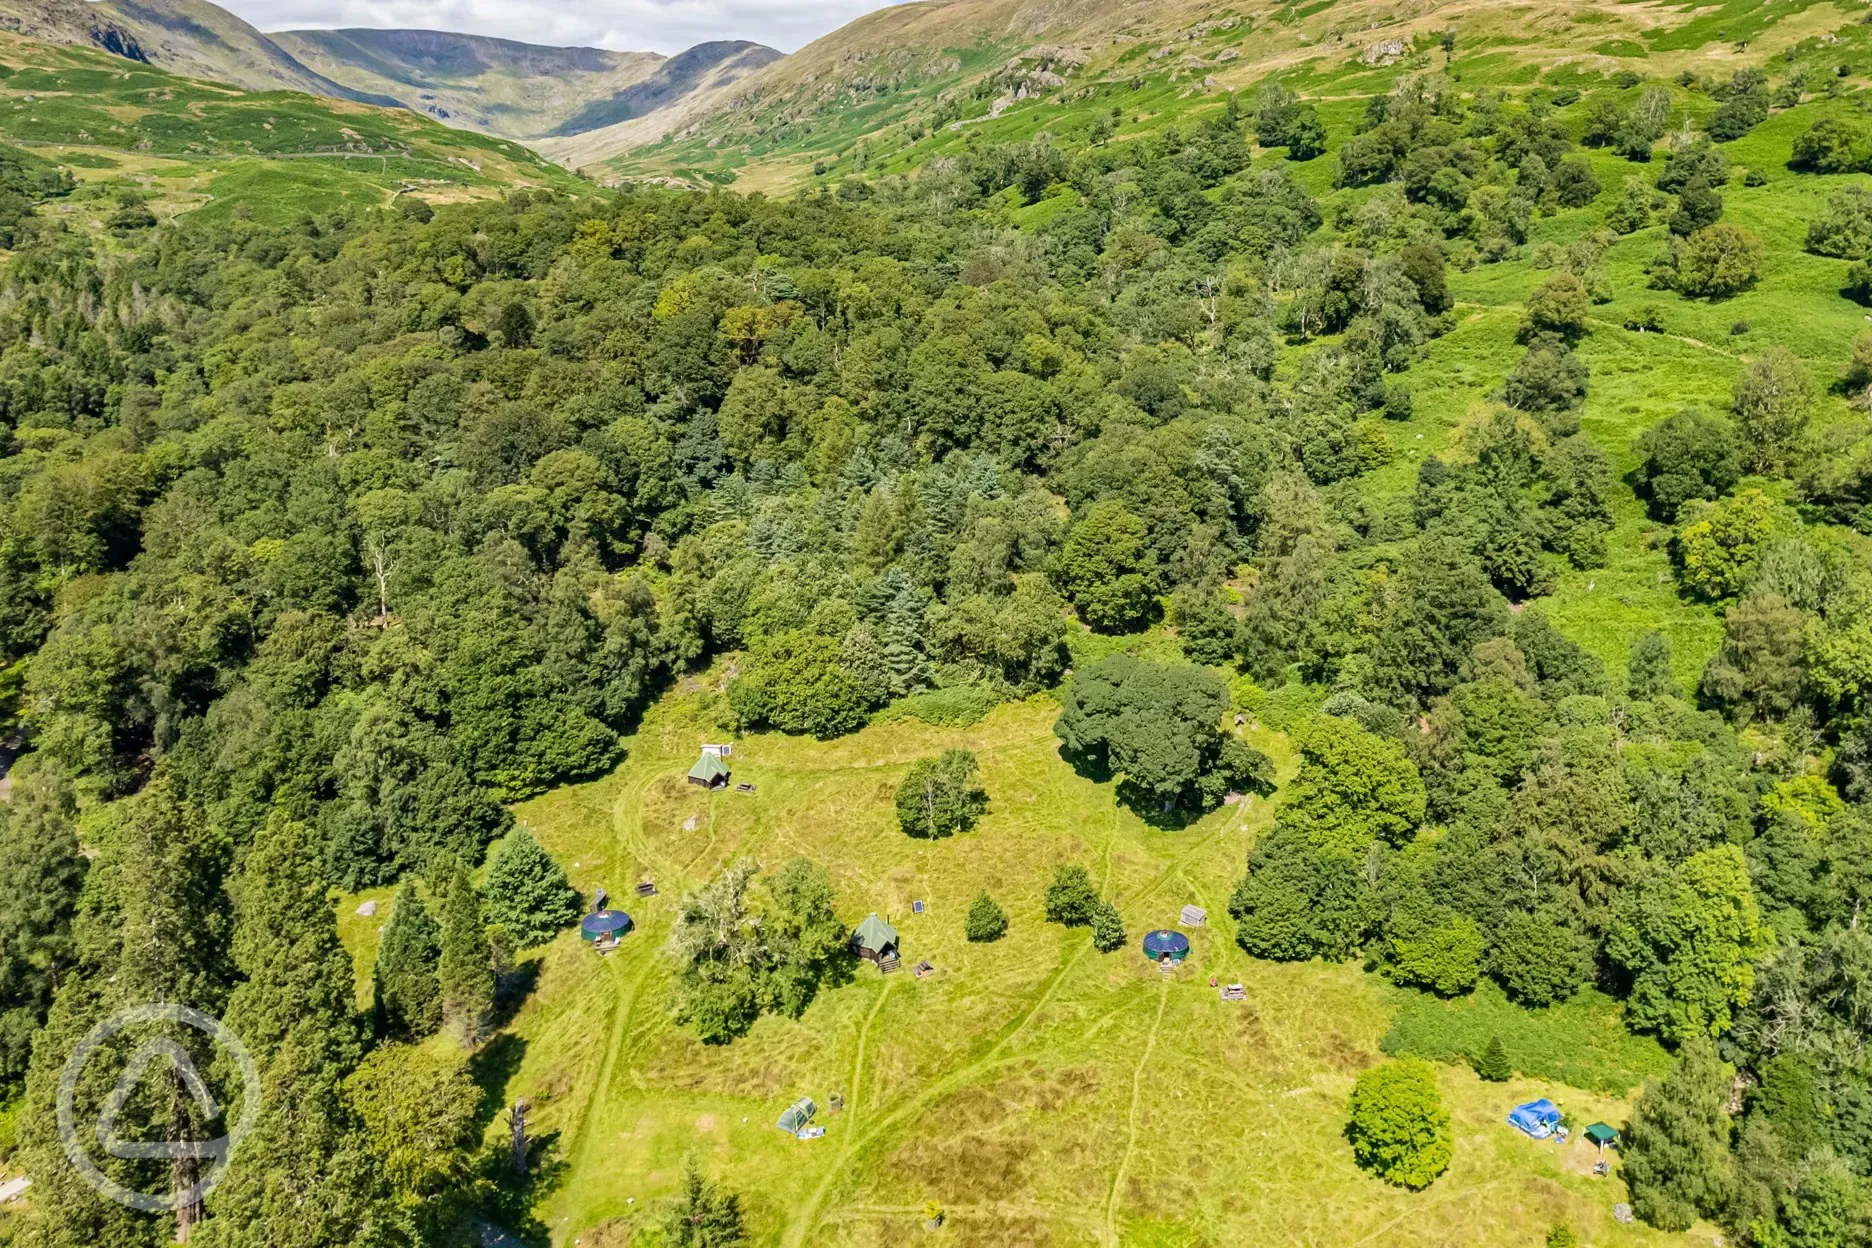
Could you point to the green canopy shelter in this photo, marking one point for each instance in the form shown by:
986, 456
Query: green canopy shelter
710, 772
1601, 1134
874, 940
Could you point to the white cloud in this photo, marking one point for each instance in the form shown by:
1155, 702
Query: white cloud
640, 25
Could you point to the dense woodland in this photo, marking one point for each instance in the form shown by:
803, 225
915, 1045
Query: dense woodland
322, 543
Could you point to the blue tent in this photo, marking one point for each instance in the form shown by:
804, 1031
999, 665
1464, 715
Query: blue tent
613, 923
1537, 1118
1166, 944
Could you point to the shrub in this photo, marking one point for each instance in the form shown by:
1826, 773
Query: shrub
1070, 898
987, 921
1773, 401
956, 707
1549, 378
1831, 145
1397, 1124
1108, 931
1718, 549
1719, 261
1699, 205
1845, 232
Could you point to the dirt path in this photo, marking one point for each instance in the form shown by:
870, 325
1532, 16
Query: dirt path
853, 1110
1131, 1129
641, 956
806, 1218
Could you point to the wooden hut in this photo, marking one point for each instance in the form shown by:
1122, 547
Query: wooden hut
710, 771
875, 940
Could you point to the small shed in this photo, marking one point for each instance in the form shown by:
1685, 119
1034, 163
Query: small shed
797, 1115
1539, 1119
1193, 916
1165, 945
1601, 1134
604, 924
709, 771
874, 940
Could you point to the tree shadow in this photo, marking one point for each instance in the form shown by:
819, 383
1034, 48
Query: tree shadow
493, 1067
1151, 808
511, 1198
1091, 765
512, 989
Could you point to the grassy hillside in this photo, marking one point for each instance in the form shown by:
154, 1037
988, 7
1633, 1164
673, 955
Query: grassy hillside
915, 81
198, 146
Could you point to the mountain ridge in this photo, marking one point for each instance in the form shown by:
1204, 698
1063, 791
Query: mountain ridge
501, 87
192, 38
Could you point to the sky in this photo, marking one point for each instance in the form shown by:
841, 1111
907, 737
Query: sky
666, 26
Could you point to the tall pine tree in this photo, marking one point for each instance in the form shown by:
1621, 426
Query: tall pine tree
38, 897
408, 996
152, 927
302, 1179
703, 1215
527, 893
1676, 1148
465, 970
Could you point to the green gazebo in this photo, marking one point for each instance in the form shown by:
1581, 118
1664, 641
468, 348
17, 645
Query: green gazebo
875, 940
709, 771
1601, 1134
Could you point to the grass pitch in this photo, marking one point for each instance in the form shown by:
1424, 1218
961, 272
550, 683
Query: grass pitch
1042, 1093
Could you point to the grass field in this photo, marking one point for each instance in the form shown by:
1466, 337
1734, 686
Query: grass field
1044, 1094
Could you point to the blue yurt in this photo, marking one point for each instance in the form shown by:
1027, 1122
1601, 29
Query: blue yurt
600, 924
1163, 943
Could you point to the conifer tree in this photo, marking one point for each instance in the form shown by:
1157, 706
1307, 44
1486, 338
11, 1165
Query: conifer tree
408, 996
1108, 931
987, 921
703, 1216
417, 1108
464, 969
38, 897
1676, 1149
527, 893
1492, 1063
301, 1179
152, 925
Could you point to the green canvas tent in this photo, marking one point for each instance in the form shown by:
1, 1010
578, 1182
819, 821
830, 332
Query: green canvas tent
709, 771
1601, 1134
874, 940
797, 1115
